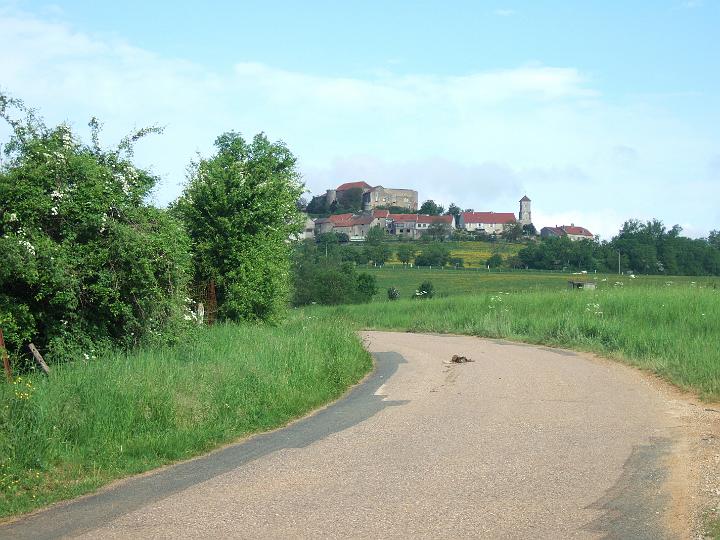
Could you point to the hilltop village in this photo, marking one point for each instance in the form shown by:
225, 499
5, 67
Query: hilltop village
353, 208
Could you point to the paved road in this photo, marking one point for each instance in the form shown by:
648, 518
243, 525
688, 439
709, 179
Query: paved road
524, 442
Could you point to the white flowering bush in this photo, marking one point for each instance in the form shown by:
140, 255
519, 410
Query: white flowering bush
86, 262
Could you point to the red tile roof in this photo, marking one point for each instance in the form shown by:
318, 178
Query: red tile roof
488, 217
381, 213
578, 231
434, 219
350, 185
421, 218
337, 218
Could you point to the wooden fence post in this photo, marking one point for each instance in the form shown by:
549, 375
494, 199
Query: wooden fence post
39, 358
6, 359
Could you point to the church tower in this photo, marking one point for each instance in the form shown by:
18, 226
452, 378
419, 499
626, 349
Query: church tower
524, 214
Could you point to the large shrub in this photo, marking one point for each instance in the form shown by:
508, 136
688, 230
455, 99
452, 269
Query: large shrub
239, 208
324, 278
86, 262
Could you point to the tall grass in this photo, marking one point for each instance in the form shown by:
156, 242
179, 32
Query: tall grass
671, 331
89, 423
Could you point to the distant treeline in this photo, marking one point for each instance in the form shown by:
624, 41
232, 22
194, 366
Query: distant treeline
646, 248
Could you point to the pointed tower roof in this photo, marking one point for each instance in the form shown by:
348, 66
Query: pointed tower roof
525, 199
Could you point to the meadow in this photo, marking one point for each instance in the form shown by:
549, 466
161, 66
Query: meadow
92, 422
464, 281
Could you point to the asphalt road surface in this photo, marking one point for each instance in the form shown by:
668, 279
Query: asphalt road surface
523, 442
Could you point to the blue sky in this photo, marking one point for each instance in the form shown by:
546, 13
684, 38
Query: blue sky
599, 112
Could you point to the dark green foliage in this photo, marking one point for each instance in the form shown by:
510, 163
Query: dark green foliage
494, 260
348, 200
239, 208
366, 286
405, 253
318, 206
512, 232
429, 207
435, 254
646, 248
86, 263
438, 231
393, 294
457, 262
321, 278
425, 290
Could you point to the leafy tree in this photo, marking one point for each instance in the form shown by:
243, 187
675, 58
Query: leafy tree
430, 208
378, 254
366, 286
512, 232
438, 231
405, 253
714, 239
455, 211
87, 264
239, 209
435, 254
318, 206
329, 281
376, 236
494, 261
529, 230
349, 200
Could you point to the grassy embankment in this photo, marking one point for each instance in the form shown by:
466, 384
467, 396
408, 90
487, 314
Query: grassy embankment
90, 423
672, 331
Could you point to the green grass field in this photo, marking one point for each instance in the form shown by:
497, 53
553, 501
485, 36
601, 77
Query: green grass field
88, 424
453, 282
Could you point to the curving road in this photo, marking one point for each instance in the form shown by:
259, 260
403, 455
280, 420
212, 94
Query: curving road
524, 442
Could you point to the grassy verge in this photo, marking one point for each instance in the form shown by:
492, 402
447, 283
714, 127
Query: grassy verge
671, 331
91, 423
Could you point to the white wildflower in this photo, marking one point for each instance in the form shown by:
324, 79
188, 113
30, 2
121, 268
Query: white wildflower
87, 356
12, 218
56, 195
28, 246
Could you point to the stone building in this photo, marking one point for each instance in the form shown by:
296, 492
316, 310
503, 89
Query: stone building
372, 197
571, 231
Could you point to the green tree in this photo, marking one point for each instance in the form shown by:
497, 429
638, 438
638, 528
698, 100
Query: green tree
512, 232
239, 209
349, 200
455, 211
438, 231
430, 208
87, 263
494, 261
405, 253
376, 235
435, 254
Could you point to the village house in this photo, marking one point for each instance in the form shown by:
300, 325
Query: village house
486, 222
372, 197
356, 226
495, 222
571, 231
414, 226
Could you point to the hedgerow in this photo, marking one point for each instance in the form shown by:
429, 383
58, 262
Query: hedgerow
86, 263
